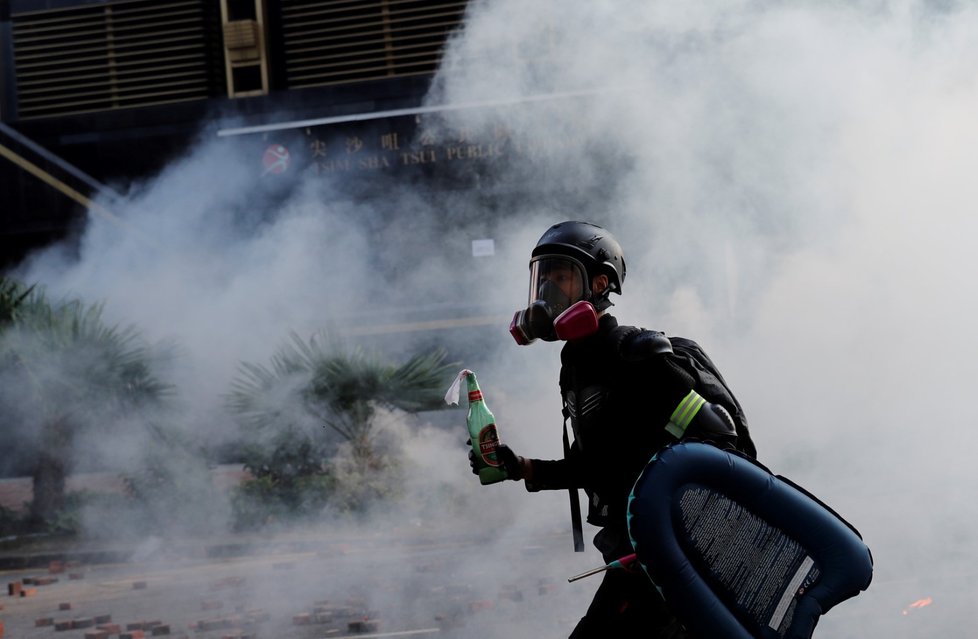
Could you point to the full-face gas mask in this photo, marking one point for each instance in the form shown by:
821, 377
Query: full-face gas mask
559, 303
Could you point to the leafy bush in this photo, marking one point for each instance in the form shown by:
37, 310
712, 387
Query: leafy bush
173, 486
63, 372
311, 418
11, 523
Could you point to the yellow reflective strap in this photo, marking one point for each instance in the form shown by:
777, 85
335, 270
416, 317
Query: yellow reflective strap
684, 414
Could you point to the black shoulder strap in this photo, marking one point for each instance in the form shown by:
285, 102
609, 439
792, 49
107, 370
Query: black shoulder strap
575, 503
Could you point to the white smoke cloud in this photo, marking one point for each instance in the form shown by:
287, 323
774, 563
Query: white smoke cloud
795, 195
791, 185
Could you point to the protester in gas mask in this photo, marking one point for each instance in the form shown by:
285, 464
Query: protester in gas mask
627, 394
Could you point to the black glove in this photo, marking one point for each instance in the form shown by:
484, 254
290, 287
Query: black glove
510, 461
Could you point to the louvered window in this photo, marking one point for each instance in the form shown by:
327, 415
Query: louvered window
342, 41
116, 55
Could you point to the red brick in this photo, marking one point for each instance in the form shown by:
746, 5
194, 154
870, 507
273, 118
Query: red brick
1, 628
28, 592
14, 588
481, 604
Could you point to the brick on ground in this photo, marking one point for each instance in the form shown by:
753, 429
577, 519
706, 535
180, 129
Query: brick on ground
480, 604
206, 625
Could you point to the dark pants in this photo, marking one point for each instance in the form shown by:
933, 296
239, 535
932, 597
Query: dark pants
628, 605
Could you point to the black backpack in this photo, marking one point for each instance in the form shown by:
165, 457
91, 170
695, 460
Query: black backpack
711, 385
709, 382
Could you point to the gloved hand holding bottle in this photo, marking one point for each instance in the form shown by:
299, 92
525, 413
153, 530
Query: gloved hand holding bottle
491, 461
516, 467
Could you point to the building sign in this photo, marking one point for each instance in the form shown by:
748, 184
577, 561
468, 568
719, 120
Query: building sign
393, 145
276, 160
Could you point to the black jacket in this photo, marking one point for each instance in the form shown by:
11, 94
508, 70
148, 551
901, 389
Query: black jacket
618, 407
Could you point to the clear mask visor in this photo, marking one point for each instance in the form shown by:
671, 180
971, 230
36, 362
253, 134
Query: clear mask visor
558, 282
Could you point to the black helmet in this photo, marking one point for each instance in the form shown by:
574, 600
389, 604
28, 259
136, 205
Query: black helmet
595, 248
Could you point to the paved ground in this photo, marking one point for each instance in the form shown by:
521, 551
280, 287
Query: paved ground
386, 585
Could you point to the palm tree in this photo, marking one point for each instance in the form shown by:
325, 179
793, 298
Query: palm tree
64, 370
335, 388
12, 295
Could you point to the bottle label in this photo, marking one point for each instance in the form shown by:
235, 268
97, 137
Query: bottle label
475, 396
488, 440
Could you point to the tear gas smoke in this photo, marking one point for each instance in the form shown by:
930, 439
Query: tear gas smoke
792, 187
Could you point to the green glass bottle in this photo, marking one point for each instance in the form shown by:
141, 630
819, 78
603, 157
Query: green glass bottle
482, 431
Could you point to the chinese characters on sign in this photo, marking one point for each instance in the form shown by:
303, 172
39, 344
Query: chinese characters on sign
329, 151
389, 150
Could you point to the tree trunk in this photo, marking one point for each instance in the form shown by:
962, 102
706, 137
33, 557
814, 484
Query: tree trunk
49, 489
50, 473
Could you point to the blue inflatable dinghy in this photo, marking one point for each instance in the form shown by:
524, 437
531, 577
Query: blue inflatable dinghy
738, 552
